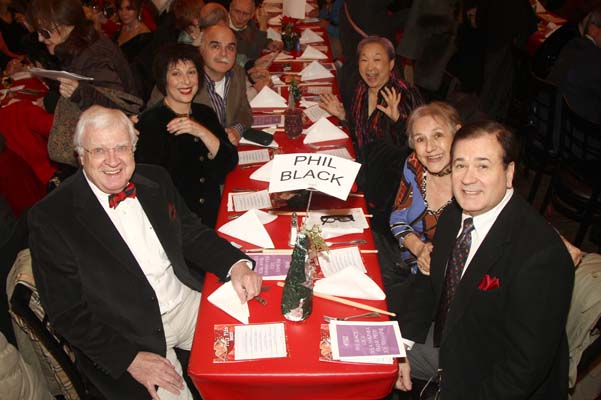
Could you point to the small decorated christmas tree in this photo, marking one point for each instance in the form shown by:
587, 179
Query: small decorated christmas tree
297, 298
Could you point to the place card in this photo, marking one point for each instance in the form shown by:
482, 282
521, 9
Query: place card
325, 350
319, 89
267, 120
315, 113
249, 200
249, 342
338, 152
272, 266
336, 260
356, 340
253, 156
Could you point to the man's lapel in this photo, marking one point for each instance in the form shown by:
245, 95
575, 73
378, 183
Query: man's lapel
92, 216
491, 250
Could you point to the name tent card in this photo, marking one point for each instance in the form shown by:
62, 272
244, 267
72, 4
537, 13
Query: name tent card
329, 174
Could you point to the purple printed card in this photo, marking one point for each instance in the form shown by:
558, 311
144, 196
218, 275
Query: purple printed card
355, 340
267, 120
272, 266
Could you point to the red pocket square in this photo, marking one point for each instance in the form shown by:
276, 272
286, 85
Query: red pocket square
489, 283
172, 212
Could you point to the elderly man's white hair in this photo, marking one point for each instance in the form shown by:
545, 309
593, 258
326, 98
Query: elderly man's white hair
98, 118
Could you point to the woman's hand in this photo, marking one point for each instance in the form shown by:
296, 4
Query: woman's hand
67, 87
392, 99
421, 250
423, 258
331, 104
183, 125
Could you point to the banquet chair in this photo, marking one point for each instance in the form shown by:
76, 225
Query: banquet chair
36, 335
538, 151
575, 189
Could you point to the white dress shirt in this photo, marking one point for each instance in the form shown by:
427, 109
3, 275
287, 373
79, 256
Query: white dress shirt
133, 225
482, 224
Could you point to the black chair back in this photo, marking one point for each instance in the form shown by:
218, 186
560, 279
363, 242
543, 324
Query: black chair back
580, 138
542, 115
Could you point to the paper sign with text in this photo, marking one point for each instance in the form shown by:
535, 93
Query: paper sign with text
329, 174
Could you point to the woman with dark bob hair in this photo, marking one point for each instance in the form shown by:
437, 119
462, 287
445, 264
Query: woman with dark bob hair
62, 26
185, 137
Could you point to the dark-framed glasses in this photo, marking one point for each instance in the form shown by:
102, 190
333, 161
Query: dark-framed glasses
103, 152
328, 219
45, 33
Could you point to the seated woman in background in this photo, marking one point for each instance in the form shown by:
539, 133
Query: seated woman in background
382, 102
425, 188
184, 137
133, 34
61, 25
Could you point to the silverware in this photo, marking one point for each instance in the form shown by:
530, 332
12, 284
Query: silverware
325, 146
357, 241
372, 314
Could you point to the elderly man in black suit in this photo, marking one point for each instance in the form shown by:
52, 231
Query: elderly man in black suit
489, 323
109, 250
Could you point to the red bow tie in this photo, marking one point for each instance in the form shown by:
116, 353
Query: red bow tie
116, 198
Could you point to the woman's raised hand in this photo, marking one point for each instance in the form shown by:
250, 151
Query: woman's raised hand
181, 125
331, 104
392, 99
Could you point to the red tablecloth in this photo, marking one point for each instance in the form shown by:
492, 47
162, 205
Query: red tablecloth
301, 375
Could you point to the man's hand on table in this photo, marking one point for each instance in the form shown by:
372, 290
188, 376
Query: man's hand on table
233, 135
403, 381
246, 282
151, 369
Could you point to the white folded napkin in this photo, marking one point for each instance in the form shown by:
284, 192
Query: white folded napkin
268, 98
323, 130
315, 71
314, 112
262, 174
249, 228
283, 57
309, 36
226, 299
273, 34
311, 53
350, 282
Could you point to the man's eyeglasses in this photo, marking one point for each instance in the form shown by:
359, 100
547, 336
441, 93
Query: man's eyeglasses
45, 33
327, 219
103, 152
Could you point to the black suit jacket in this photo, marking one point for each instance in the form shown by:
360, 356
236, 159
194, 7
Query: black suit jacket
509, 342
95, 293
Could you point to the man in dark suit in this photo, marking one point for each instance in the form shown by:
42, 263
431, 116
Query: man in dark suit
110, 248
499, 290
